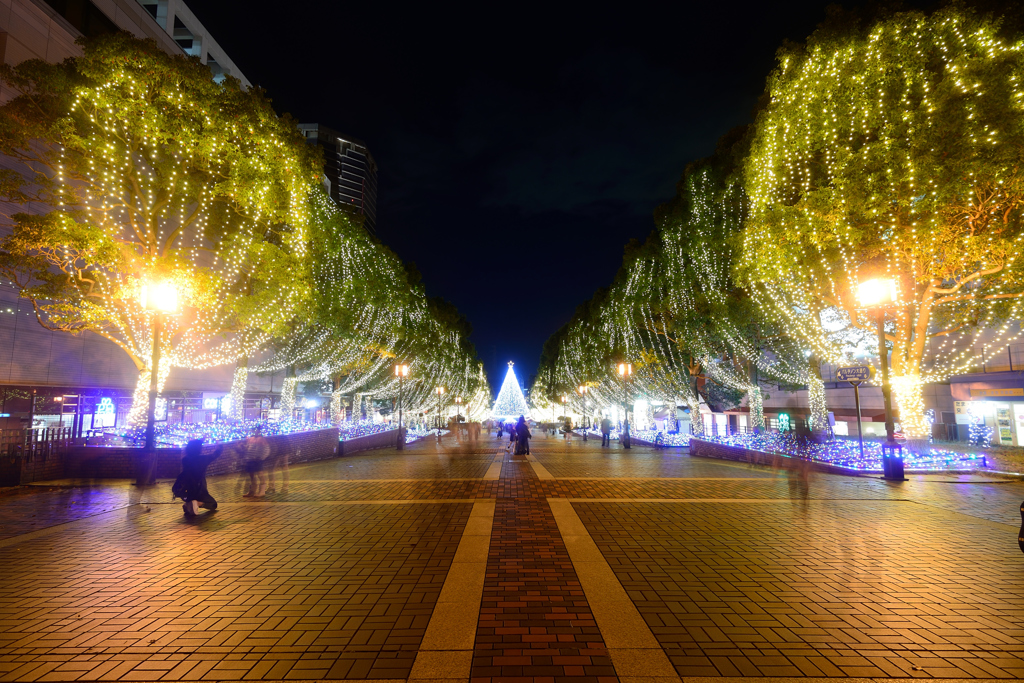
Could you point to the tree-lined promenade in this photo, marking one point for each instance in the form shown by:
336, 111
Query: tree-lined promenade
132, 173
886, 155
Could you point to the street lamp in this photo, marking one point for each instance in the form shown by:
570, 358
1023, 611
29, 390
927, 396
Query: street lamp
440, 392
583, 388
625, 371
162, 299
878, 294
401, 372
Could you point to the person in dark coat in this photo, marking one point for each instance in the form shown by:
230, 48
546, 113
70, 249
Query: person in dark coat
522, 437
606, 432
190, 485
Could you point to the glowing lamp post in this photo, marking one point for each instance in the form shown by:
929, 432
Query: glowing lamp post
401, 372
625, 372
583, 388
458, 409
440, 392
162, 299
877, 294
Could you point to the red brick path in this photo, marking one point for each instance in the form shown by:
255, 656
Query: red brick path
535, 623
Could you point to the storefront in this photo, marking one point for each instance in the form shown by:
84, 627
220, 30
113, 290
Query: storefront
994, 399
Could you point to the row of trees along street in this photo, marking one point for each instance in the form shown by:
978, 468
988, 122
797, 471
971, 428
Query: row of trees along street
128, 166
884, 147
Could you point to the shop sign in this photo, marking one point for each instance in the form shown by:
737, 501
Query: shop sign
963, 412
1004, 426
859, 373
983, 393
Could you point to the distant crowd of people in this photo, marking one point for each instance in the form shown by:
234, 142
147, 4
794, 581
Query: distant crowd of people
518, 435
260, 462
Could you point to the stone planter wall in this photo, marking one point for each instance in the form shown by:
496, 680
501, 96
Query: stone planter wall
711, 449
97, 462
388, 439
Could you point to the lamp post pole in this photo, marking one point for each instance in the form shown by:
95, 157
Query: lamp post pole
400, 371
161, 298
625, 370
876, 294
583, 397
154, 378
439, 390
892, 466
625, 415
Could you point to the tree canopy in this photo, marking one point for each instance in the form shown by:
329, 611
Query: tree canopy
133, 167
892, 150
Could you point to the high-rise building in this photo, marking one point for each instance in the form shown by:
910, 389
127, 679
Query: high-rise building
351, 172
47, 29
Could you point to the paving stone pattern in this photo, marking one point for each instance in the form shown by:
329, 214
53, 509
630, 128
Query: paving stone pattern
535, 623
286, 592
29, 508
764, 573
819, 588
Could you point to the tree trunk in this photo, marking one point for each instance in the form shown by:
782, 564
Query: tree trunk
816, 396
693, 400
238, 384
288, 394
906, 373
140, 397
337, 409
910, 399
755, 401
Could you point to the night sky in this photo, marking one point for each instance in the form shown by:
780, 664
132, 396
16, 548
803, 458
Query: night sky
519, 146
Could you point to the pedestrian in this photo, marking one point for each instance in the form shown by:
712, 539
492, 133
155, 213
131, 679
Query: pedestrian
278, 461
522, 437
256, 452
190, 485
606, 432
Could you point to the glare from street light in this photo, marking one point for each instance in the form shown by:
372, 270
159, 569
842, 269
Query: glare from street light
877, 292
625, 369
401, 371
159, 296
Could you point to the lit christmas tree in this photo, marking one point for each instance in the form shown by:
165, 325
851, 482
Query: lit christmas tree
510, 403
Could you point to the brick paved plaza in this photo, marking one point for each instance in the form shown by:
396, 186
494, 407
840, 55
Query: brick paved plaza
461, 562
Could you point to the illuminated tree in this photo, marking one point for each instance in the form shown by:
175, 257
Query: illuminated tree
892, 151
510, 402
715, 323
134, 166
675, 313
369, 312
